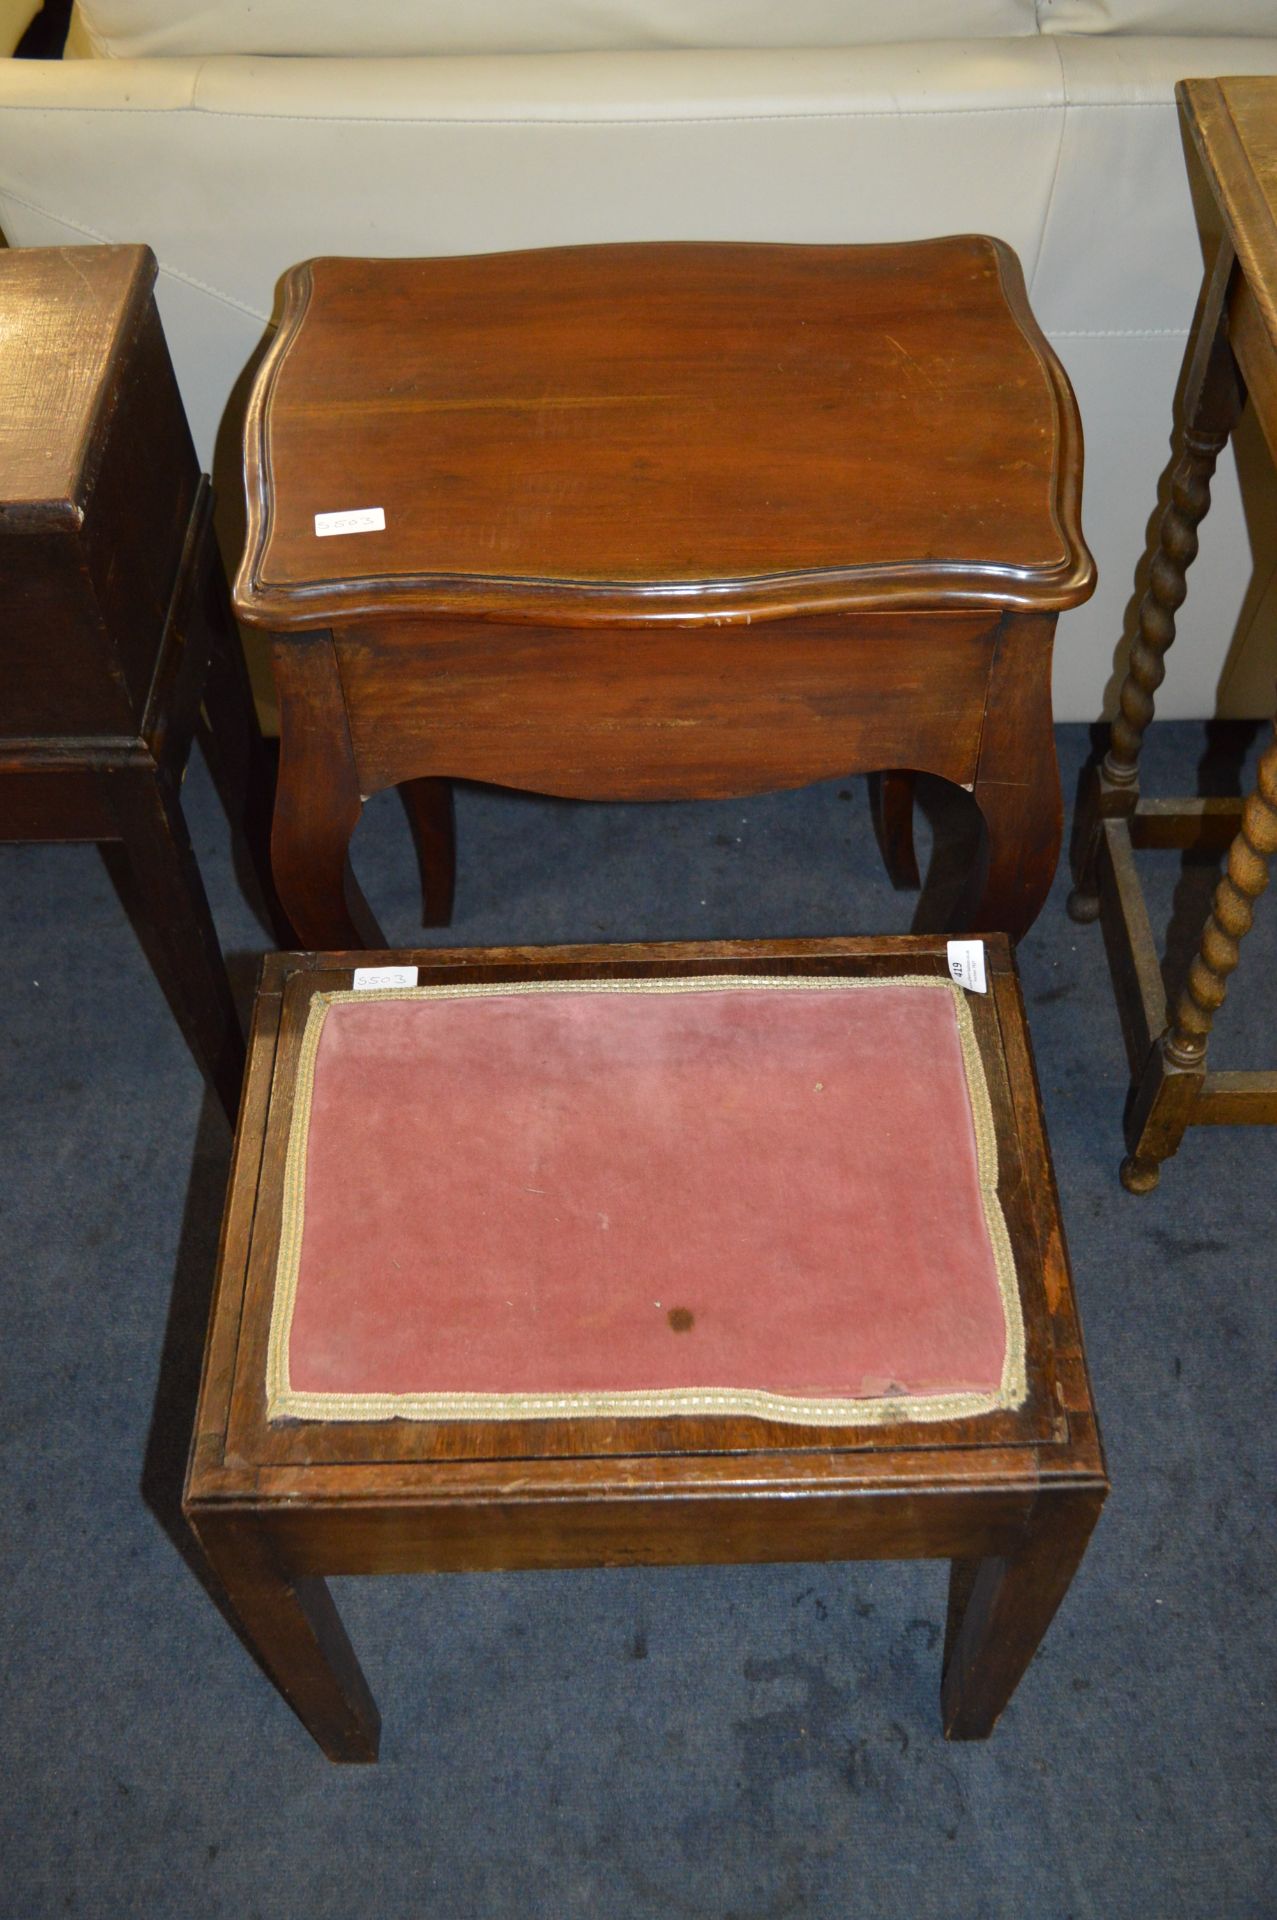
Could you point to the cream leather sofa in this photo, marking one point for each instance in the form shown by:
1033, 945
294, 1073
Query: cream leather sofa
237, 136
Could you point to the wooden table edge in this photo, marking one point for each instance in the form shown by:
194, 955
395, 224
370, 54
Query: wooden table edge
938, 586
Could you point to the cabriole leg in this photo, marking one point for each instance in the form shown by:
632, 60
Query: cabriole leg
317, 800
1017, 785
428, 804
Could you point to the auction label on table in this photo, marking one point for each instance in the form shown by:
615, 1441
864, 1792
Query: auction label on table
966, 965
353, 520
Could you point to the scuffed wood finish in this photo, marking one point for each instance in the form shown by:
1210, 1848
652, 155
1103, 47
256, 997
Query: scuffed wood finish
68, 319
117, 644
1233, 354
96, 500
1233, 124
664, 522
1009, 1497
683, 432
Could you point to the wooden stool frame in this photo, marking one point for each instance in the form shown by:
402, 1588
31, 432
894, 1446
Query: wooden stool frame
1009, 1498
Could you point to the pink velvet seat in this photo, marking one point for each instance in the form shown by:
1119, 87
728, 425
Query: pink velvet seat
758, 1196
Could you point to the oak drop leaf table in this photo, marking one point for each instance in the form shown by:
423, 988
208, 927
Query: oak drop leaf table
606, 1256
660, 521
1232, 355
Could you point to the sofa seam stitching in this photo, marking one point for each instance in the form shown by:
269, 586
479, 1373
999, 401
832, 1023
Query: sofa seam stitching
254, 313
1116, 333
174, 273
614, 120
1055, 171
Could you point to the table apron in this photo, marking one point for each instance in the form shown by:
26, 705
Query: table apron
665, 713
454, 1537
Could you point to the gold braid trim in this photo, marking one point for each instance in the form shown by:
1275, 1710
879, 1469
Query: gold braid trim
283, 1403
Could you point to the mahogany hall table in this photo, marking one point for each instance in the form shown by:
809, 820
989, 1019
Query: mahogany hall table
650, 522
616, 1256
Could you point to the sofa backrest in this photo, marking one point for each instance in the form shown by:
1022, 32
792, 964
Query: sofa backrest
1158, 16
132, 29
141, 29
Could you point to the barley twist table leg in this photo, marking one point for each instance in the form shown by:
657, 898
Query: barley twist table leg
1213, 397
1115, 789
1177, 1063
1168, 585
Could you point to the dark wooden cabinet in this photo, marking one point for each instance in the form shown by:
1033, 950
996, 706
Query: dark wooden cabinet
116, 639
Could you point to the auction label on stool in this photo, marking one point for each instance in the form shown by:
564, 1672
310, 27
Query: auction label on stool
966, 965
368, 978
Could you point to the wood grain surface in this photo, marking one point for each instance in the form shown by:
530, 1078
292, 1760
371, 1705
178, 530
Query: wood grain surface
66, 314
679, 432
1233, 123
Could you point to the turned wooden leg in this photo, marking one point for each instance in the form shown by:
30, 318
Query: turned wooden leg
1213, 400
1175, 1072
160, 881
428, 804
317, 800
293, 1630
1000, 1608
1017, 785
891, 806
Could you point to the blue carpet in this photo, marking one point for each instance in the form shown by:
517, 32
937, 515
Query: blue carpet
741, 1744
